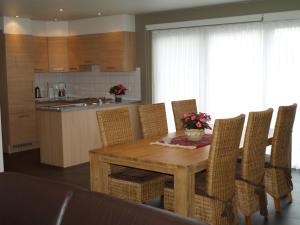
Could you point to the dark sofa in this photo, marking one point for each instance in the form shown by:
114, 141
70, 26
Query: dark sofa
27, 200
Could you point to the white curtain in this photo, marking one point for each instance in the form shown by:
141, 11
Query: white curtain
229, 69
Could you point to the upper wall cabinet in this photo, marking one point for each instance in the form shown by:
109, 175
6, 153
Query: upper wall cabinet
58, 54
114, 52
40, 54
117, 51
82, 51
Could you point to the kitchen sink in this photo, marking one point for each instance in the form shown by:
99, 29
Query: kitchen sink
62, 104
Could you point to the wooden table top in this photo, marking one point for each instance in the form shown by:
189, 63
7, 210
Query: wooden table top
143, 151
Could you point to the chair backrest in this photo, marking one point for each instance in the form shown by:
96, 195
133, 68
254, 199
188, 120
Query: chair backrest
181, 107
282, 137
222, 158
153, 119
115, 126
254, 148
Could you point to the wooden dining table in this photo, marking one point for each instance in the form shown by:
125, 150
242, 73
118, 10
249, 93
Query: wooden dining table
182, 163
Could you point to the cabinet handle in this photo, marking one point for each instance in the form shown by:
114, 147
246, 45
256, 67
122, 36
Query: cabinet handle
58, 69
24, 116
110, 67
88, 61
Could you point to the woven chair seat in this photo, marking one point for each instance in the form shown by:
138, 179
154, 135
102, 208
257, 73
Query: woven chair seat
135, 175
200, 181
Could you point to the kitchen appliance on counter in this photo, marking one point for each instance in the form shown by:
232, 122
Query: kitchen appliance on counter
37, 92
51, 94
61, 89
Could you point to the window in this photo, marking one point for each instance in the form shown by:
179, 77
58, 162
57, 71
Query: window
229, 69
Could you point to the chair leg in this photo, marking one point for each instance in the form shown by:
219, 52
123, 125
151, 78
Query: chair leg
277, 204
248, 220
290, 198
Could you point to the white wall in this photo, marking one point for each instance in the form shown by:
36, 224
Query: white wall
49, 28
13, 25
102, 25
1, 150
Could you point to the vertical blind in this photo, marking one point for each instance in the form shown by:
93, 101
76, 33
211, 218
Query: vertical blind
230, 69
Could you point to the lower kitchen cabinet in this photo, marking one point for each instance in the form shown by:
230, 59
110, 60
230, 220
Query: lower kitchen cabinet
22, 130
66, 138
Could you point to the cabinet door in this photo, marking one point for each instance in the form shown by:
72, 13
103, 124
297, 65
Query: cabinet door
73, 52
111, 51
20, 115
117, 51
40, 54
88, 50
22, 128
58, 54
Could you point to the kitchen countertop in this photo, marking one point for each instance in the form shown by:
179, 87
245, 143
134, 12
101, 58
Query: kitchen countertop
80, 104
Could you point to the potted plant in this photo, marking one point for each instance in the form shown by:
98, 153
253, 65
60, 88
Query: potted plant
118, 91
195, 124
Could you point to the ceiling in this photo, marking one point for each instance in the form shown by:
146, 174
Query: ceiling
77, 9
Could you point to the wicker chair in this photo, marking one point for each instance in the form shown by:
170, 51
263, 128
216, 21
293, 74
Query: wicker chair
127, 183
251, 195
153, 119
214, 200
278, 180
181, 107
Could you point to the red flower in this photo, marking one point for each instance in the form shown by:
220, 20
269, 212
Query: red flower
118, 90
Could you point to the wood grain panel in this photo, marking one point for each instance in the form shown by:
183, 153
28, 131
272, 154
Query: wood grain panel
50, 137
22, 128
40, 54
58, 54
19, 116
80, 134
73, 52
67, 137
117, 51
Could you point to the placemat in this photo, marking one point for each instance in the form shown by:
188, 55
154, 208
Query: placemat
184, 142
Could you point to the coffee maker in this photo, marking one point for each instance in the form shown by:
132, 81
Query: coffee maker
61, 89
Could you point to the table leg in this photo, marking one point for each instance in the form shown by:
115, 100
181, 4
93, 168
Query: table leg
184, 189
99, 172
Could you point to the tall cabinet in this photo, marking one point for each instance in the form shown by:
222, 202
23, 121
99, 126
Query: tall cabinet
17, 98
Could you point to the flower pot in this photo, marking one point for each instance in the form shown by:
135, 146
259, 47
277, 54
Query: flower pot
118, 98
194, 134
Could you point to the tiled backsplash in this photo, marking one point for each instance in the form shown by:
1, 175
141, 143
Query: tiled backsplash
91, 84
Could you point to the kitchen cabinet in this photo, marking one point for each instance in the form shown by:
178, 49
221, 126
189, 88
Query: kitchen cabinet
40, 54
82, 52
114, 52
67, 137
88, 50
17, 99
58, 54
117, 51
73, 52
